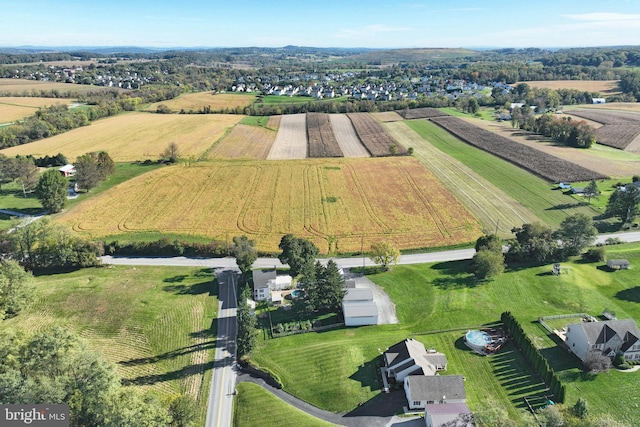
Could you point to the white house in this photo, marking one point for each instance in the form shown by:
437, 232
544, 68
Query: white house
457, 414
359, 308
608, 337
422, 390
265, 281
598, 100
410, 357
67, 170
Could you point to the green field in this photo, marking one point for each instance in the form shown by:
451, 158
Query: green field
156, 323
549, 206
254, 403
335, 370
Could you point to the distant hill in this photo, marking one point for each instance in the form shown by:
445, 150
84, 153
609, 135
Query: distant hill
412, 55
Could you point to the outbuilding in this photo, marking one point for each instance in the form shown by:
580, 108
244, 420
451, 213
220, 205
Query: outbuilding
618, 264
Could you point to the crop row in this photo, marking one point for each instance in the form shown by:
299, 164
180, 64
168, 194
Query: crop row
322, 141
619, 128
421, 113
374, 136
537, 162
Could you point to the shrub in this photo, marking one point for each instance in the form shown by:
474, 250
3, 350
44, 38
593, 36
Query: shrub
595, 254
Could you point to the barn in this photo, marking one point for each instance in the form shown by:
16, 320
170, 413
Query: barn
359, 308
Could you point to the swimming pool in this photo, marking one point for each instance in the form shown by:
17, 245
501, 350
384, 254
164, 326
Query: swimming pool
477, 340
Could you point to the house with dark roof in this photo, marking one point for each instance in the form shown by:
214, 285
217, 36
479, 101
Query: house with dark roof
453, 414
410, 357
609, 338
422, 390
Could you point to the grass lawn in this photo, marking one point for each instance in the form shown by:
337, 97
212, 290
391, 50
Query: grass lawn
12, 198
255, 403
551, 207
337, 369
260, 121
156, 323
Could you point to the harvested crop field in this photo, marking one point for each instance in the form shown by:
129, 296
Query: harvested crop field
387, 116
486, 201
195, 102
621, 129
549, 167
135, 136
336, 203
18, 107
422, 113
348, 140
33, 87
605, 87
244, 142
291, 141
322, 142
374, 136
605, 160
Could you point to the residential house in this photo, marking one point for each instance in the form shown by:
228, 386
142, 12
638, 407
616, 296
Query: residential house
618, 264
359, 308
265, 281
67, 170
609, 337
410, 357
422, 390
457, 414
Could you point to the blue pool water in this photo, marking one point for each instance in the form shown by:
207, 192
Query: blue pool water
478, 338
296, 294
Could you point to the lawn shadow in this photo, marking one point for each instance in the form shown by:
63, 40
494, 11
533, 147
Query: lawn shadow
208, 345
382, 405
368, 374
194, 289
175, 279
455, 274
631, 294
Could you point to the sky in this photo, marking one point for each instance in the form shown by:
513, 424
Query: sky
327, 23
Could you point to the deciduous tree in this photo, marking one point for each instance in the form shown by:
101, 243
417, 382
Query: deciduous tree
384, 254
245, 252
52, 190
171, 153
16, 288
576, 233
297, 253
487, 264
623, 204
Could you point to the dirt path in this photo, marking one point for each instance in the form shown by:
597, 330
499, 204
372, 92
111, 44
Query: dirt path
346, 136
291, 142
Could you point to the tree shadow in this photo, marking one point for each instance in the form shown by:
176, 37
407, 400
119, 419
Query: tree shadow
457, 282
170, 354
564, 206
631, 294
194, 289
175, 279
184, 372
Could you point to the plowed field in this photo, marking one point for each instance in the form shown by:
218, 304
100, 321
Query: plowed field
291, 142
244, 142
348, 140
334, 202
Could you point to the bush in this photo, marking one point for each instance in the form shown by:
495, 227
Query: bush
597, 254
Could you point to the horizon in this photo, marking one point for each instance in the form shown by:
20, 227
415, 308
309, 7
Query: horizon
374, 24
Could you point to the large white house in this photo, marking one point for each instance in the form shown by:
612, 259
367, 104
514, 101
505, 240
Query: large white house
410, 357
265, 281
608, 337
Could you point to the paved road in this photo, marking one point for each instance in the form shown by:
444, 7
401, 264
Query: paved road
220, 403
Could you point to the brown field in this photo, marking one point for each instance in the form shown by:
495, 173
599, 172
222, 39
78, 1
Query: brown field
336, 203
621, 106
274, 122
348, 140
387, 116
373, 135
421, 113
605, 160
244, 142
605, 87
620, 129
291, 141
135, 136
18, 107
194, 102
322, 141
27, 87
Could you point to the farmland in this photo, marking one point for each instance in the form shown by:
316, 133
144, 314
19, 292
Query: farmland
195, 102
348, 140
599, 158
322, 142
542, 164
374, 136
422, 113
153, 323
135, 136
16, 107
492, 206
338, 203
291, 141
22, 87
244, 142
604, 87
620, 129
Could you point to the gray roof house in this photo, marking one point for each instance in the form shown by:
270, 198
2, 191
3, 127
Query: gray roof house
410, 357
422, 390
618, 264
608, 337
457, 414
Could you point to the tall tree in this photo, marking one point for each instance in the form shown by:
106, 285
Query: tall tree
323, 287
247, 332
384, 254
245, 252
171, 153
576, 233
16, 288
297, 253
52, 190
534, 242
623, 204
487, 264
88, 174
591, 190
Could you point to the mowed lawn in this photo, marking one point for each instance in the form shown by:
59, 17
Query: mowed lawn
156, 323
195, 102
336, 370
549, 206
135, 136
337, 203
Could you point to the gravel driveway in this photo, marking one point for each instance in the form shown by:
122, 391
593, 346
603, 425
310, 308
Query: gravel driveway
386, 309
